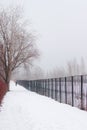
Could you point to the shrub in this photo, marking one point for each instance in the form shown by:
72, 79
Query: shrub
3, 90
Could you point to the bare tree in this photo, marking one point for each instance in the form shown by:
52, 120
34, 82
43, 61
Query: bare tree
36, 73
29, 73
16, 43
83, 66
73, 68
56, 73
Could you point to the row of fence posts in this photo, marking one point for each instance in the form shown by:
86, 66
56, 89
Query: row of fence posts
69, 90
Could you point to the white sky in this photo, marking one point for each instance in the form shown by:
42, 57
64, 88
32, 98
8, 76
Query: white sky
61, 26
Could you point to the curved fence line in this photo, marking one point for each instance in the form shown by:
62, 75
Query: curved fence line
70, 90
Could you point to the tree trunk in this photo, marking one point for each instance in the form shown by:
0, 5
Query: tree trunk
8, 82
8, 77
8, 87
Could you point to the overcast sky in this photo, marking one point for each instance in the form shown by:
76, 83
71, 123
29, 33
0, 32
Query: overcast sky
61, 26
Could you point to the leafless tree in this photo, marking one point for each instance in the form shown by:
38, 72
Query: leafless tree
56, 73
76, 68
36, 73
16, 43
83, 66
73, 68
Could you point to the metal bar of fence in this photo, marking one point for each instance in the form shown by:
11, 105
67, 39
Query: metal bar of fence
72, 91
45, 87
30, 86
55, 89
81, 92
86, 98
65, 92
60, 88
51, 88
36, 87
48, 89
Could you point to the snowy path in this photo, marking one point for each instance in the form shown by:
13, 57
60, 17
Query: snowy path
24, 110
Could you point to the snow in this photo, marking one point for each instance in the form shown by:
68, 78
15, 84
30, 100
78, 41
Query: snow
25, 110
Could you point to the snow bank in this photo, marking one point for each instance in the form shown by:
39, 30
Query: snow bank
27, 110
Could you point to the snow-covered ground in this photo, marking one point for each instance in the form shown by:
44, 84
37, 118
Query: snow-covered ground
25, 110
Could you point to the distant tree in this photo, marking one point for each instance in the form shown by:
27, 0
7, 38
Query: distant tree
56, 73
83, 66
16, 43
36, 73
73, 68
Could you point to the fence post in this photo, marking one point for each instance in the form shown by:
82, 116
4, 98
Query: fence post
45, 87
81, 92
36, 85
60, 88
72, 91
55, 89
29, 85
65, 91
51, 88
48, 89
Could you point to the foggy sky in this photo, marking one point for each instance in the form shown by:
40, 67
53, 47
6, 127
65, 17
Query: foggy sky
61, 26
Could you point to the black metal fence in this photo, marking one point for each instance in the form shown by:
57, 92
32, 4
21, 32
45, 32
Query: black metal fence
70, 90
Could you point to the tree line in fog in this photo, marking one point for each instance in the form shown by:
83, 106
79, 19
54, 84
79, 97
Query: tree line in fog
72, 68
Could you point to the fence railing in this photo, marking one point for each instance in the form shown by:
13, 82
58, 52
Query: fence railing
70, 90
